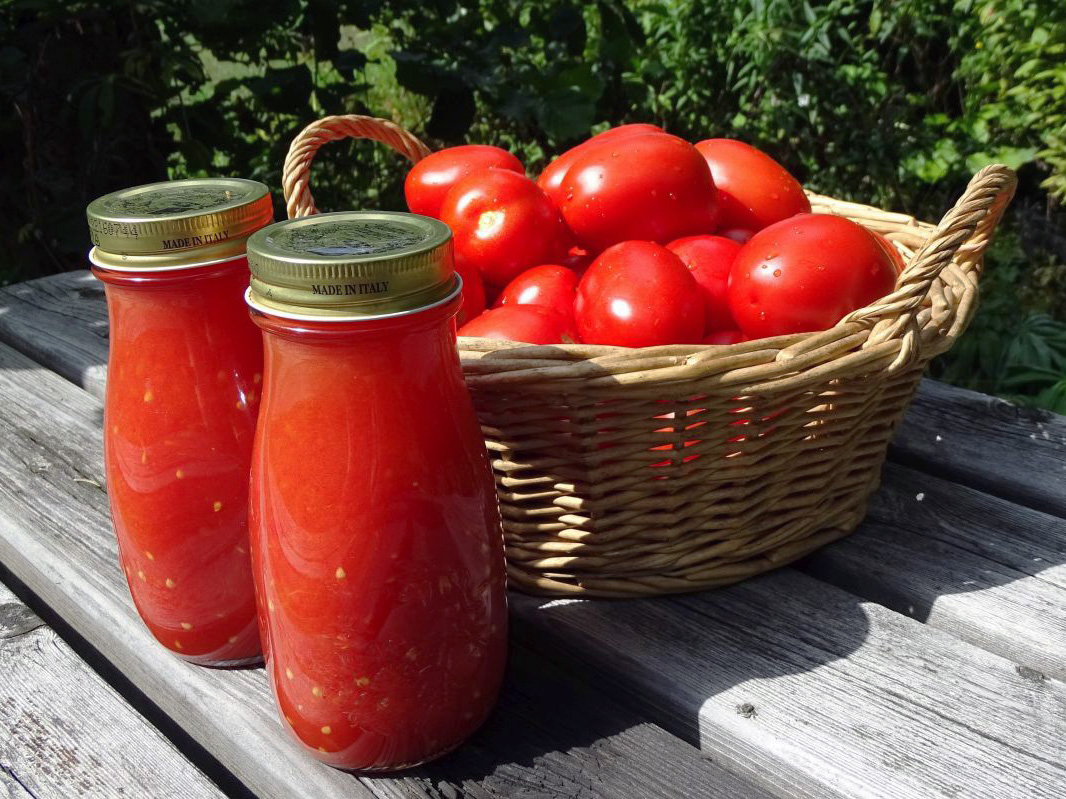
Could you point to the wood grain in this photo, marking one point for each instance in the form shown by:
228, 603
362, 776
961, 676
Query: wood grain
551, 736
55, 536
814, 693
988, 443
10, 787
67, 732
1014, 452
60, 321
827, 695
984, 569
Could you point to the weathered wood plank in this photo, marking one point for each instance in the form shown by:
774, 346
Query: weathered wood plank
55, 535
988, 443
801, 747
1014, 452
553, 737
61, 322
810, 691
10, 787
984, 569
15, 620
67, 732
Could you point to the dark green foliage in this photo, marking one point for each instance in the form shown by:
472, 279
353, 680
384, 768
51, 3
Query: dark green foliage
1011, 349
890, 102
101, 94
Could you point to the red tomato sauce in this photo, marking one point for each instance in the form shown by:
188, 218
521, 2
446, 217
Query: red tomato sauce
376, 540
183, 389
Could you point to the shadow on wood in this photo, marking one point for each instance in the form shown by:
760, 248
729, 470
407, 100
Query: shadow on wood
55, 535
984, 569
798, 685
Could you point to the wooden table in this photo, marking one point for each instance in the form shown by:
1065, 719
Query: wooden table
924, 656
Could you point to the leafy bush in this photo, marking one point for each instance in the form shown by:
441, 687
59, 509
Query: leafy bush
110, 93
1015, 74
894, 103
1009, 349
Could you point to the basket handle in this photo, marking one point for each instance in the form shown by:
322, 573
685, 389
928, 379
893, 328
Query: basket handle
296, 175
965, 230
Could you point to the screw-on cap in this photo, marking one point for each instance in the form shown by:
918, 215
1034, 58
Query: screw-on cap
351, 263
177, 222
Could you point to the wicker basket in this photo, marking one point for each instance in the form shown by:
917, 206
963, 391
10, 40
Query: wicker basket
625, 472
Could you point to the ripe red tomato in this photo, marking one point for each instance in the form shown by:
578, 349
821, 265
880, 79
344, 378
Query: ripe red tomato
638, 294
551, 178
549, 285
708, 258
473, 292
893, 253
725, 337
533, 324
754, 190
429, 179
646, 186
502, 223
803, 274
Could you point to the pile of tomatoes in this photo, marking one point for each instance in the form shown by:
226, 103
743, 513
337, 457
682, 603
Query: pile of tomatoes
638, 238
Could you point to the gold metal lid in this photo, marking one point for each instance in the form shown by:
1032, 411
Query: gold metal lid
178, 222
352, 264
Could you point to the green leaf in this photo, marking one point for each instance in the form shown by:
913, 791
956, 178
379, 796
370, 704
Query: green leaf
1027, 68
1031, 376
621, 34
875, 20
568, 107
415, 72
1053, 398
1014, 157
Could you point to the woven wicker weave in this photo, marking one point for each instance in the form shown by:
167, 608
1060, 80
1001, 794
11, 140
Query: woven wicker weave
625, 472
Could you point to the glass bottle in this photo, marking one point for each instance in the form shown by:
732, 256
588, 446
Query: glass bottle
376, 537
184, 376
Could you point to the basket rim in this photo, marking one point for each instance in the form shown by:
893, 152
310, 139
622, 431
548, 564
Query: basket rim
933, 300
571, 430
897, 228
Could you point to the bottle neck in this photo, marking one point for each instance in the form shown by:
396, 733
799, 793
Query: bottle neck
433, 321
172, 278
414, 356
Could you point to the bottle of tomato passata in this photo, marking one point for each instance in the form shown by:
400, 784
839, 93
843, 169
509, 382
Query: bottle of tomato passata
182, 394
376, 540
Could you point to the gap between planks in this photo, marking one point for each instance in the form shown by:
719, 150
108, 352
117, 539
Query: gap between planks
953, 427
981, 568
55, 536
941, 553
985, 442
68, 731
